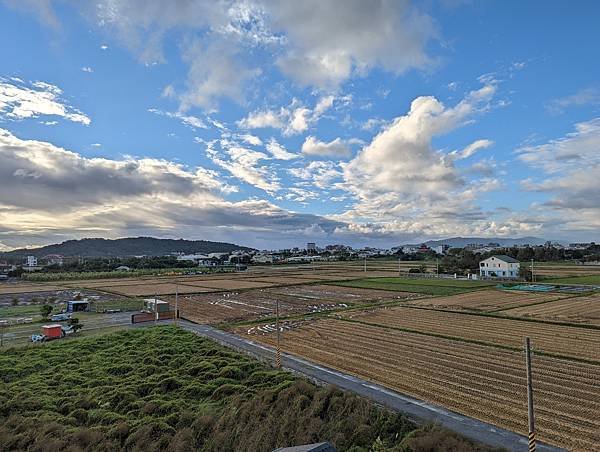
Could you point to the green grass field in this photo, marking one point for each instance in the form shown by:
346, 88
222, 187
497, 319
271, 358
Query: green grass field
589, 279
424, 286
161, 388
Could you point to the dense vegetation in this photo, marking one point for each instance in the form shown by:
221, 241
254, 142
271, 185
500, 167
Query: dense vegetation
163, 388
137, 246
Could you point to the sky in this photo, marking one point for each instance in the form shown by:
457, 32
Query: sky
271, 124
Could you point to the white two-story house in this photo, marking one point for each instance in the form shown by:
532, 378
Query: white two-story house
499, 267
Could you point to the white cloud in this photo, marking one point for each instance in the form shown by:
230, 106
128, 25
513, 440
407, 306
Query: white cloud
587, 96
334, 148
322, 174
570, 166
250, 139
331, 41
191, 121
52, 194
291, 120
20, 100
471, 149
400, 181
279, 152
96, 145
87, 69
104, 47
245, 164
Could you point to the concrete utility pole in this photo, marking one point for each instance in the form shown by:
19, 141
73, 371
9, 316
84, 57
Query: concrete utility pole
530, 396
399, 268
437, 266
365, 264
155, 308
532, 275
278, 352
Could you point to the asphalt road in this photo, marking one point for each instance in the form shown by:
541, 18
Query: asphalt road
417, 410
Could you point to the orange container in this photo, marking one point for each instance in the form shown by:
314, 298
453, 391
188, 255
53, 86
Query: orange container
52, 331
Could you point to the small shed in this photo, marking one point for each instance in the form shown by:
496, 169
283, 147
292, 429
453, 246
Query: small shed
52, 331
78, 306
155, 305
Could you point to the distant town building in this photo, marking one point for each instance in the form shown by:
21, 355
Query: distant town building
54, 259
30, 261
442, 249
499, 266
311, 247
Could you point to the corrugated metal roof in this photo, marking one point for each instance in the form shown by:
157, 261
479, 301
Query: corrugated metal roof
507, 259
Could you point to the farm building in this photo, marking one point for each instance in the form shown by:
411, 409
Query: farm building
78, 306
155, 305
499, 266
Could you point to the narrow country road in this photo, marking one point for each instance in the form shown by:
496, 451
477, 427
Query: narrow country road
415, 409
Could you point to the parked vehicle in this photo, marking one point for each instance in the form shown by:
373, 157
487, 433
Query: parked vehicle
60, 317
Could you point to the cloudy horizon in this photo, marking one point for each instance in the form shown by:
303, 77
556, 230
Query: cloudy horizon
272, 124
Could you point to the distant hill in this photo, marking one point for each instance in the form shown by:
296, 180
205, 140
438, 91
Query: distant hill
460, 242
138, 246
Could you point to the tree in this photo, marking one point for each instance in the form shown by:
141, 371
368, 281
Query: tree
14, 301
45, 310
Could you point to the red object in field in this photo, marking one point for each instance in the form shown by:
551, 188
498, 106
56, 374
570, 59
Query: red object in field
52, 331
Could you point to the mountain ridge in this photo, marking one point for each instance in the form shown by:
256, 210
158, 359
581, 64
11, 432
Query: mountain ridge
125, 247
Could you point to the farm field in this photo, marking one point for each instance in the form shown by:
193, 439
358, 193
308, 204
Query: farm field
488, 300
556, 339
484, 382
261, 303
416, 285
584, 309
587, 279
560, 269
166, 389
15, 288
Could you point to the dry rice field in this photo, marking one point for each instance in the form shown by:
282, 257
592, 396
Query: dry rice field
260, 303
488, 300
584, 309
557, 339
17, 288
479, 381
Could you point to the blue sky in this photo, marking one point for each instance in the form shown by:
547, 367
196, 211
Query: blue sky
271, 124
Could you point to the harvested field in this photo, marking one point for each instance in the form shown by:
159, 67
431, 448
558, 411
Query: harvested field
405, 286
229, 284
256, 304
488, 300
279, 280
138, 290
479, 381
558, 339
10, 288
584, 309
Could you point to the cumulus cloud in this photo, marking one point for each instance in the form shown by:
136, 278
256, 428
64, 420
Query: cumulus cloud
330, 41
335, 148
22, 100
400, 179
471, 149
279, 152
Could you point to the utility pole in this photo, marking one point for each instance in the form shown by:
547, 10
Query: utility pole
177, 304
365, 263
437, 266
278, 351
155, 309
531, 437
399, 268
532, 275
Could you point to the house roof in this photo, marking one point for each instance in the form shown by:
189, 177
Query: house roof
504, 258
